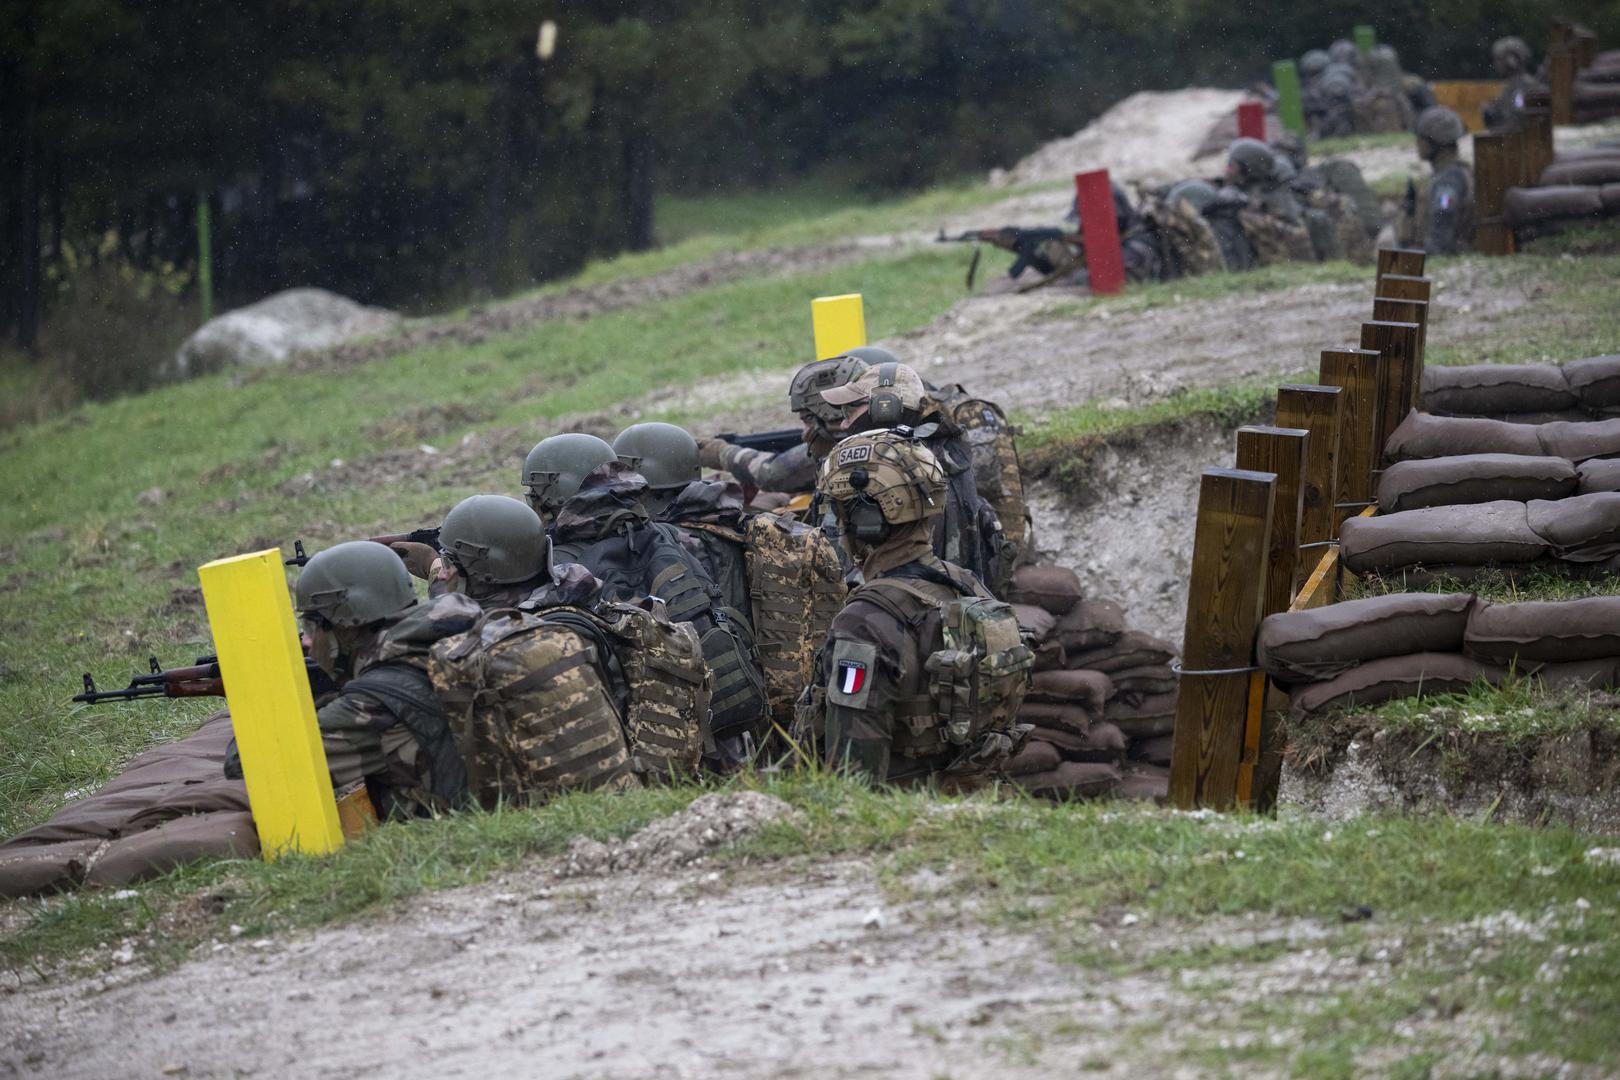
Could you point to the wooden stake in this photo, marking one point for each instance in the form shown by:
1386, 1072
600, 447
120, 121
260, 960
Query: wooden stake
1396, 343
1407, 261
1355, 371
1408, 311
1404, 287
1227, 580
1316, 409
1492, 178
1561, 82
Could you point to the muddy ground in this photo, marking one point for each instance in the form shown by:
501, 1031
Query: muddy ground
650, 962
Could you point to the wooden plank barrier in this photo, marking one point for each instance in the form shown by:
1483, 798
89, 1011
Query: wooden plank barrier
1282, 452
1408, 311
1316, 409
1227, 584
1492, 178
1467, 98
272, 712
1396, 345
1354, 371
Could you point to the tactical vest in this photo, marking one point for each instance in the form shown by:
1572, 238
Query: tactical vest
978, 671
992, 447
795, 583
529, 710
658, 678
1187, 243
1274, 238
406, 692
652, 560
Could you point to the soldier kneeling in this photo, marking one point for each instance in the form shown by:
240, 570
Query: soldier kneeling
924, 670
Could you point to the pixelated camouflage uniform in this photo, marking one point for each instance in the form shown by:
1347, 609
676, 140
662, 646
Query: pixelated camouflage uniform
792, 472
386, 726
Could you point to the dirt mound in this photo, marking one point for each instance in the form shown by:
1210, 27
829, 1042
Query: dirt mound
1150, 137
709, 822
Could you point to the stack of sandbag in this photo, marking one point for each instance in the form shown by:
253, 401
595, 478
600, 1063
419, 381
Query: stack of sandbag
1102, 699
1596, 93
172, 805
1580, 529
1525, 393
1478, 478
1365, 652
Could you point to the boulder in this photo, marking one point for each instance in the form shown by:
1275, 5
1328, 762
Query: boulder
278, 328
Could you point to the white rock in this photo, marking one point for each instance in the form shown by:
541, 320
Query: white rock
277, 328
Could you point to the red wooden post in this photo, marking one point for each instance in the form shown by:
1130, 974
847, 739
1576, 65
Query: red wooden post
1100, 230
1252, 121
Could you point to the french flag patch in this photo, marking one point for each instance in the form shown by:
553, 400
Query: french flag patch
851, 677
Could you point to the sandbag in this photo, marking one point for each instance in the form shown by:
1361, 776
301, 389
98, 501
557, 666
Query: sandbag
1580, 441
1583, 528
1072, 780
1393, 677
1473, 478
1091, 624
1065, 740
1145, 680
1155, 751
1595, 380
1304, 646
1610, 193
1544, 630
1104, 742
1055, 588
1580, 676
1145, 783
1066, 715
1599, 474
1038, 755
217, 795
1476, 535
1088, 689
1597, 170
35, 869
174, 843
1135, 649
1143, 719
1051, 656
1479, 389
1035, 623
1527, 206
1421, 435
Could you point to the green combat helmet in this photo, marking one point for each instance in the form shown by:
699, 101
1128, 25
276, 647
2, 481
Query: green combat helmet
354, 584
1440, 126
557, 466
1510, 55
1196, 193
666, 455
1313, 63
495, 540
1253, 160
880, 479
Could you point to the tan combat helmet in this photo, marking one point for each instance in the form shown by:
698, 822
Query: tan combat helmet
891, 394
804, 392
880, 479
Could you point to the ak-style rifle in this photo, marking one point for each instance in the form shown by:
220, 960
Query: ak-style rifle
771, 442
201, 679
430, 537
1025, 244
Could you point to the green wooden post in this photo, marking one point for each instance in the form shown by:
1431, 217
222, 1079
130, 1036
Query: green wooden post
205, 257
1290, 110
1365, 38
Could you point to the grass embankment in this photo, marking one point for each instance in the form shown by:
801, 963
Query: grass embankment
1070, 873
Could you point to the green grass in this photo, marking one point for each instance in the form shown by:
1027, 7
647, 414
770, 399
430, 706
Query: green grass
1349, 144
1573, 302
1215, 286
1516, 715
1549, 582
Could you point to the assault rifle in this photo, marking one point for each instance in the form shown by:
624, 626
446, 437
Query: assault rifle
202, 679
772, 442
1023, 243
430, 537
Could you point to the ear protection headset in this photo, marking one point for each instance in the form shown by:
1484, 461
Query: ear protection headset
863, 514
885, 407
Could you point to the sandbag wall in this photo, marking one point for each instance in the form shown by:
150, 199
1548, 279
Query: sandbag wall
1366, 652
1103, 697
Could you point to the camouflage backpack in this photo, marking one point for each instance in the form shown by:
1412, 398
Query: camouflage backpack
657, 677
1186, 238
978, 671
1275, 238
529, 710
796, 587
993, 449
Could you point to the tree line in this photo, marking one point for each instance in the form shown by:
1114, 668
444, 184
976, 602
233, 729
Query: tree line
418, 154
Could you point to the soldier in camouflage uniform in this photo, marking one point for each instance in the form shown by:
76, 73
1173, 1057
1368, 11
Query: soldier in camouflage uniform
1138, 247
967, 532
871, 707
665, 455
1188, 242
1439, 215
1267, 208
1383, 106
1510, 56
371, 635
793, 471
557, 466
496, 552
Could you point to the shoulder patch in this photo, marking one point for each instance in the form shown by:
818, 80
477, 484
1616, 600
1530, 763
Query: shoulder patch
849, 454
854, 666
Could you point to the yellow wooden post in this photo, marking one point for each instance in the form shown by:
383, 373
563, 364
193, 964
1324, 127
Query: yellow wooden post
272, 712
840, 323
